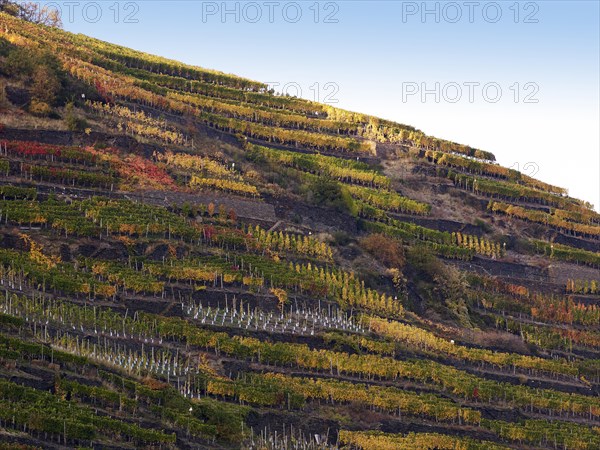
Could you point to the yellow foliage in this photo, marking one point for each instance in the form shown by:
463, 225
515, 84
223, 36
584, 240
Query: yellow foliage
36, 254
281, 295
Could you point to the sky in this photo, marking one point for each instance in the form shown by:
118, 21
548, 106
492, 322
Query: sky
519, 79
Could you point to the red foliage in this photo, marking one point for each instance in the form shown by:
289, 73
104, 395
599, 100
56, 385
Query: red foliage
147, 170
209, 231
137, 171
103, 92
133, 169
25, 148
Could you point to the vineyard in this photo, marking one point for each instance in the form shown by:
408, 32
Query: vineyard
191, 260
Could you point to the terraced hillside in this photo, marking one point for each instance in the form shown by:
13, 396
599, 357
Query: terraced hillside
188, 260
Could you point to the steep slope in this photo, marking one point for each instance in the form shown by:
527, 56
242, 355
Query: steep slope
190, 261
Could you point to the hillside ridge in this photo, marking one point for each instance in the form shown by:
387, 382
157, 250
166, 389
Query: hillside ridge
188, 260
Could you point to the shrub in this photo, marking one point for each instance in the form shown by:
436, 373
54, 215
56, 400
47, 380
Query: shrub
46, 85
19, 63
442, 283
39, 108
386, 250
483, 225
327, 192
73, 121
341, 238
5, 47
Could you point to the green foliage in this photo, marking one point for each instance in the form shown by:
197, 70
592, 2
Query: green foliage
73, 120
9, 7
41, 411
5, 48
559, 219
446, 285
344, 170
39, 69
565, 253
326, 192
517, 192
449, 245
20, 62
388, 200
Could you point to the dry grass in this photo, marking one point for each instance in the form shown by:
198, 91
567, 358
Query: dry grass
507, 342
15, 118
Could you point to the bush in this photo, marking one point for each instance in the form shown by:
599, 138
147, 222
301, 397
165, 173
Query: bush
39, 69
325, 191
73, 121
5, 47
19, 63
386, 250
483, 225
329, 193
341, 238
442, 283
46, 85
40, 109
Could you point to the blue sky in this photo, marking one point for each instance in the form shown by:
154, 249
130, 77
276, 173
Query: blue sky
533, 67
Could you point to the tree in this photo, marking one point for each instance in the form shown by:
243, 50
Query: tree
222, 212
8, 7
20, 62
43, 15
45, 86
211, 209
232, 215
281, 295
